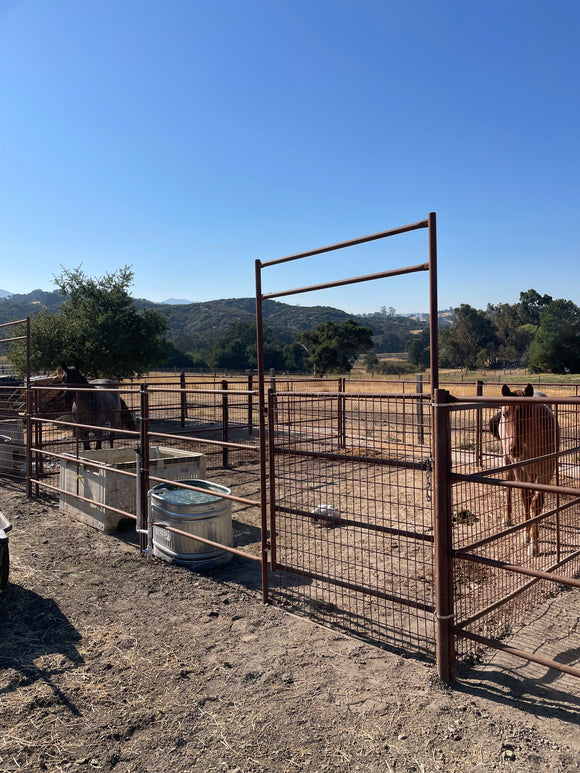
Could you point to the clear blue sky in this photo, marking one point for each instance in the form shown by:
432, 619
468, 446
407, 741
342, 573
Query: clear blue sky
188, 138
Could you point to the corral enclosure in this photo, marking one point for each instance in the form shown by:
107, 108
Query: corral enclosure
346, 494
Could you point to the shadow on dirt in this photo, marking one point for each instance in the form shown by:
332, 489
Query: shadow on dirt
33, 628
538, 696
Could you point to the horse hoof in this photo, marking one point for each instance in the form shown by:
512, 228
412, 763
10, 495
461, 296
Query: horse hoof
533, 550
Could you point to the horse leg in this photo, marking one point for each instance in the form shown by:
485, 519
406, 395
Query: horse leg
527, 497
533, 530
507, 519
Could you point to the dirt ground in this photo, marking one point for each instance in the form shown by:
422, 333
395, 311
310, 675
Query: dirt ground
112, 662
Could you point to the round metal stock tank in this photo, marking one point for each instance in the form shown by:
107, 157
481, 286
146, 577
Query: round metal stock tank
201, 513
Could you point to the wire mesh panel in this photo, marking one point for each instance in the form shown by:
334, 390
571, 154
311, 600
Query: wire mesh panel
489, 530
351, 516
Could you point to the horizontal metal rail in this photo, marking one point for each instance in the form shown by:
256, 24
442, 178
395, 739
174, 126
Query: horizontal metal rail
365, 526
515, 484
540, 574
351, 458
526, 462
90, 501
219, 545
519, 526
353, 396
220, 443
519, 653
351, 243
15, 322
474, 401
99, 428
355, 587
512, 595
190, 487
351, 281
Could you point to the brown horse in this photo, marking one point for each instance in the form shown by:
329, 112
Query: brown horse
528, 431
95, 403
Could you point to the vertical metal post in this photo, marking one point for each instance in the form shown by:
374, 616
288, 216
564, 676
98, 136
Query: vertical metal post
28, 417
250, 406
556, 446
262, 431
442, 528
225, 423
143, 481
419, 410
183, 394
341, 413
271, 462
479, 427
433, 310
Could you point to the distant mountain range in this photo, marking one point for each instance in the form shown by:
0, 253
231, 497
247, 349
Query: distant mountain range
199, 325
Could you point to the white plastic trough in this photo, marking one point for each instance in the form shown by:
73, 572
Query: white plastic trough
104, 486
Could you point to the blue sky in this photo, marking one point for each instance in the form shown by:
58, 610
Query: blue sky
188, 138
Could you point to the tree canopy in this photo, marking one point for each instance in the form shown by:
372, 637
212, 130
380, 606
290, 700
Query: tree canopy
556, 344
334, 347
98, 329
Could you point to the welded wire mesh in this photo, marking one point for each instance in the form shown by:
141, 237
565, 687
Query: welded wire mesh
352, 525
490, 600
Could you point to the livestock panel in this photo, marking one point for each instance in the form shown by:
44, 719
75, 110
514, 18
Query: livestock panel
351, 533
496, 580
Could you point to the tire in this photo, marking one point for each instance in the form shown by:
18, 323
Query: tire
4, 563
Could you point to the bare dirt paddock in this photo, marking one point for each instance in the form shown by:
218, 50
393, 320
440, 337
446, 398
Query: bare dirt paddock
111, 662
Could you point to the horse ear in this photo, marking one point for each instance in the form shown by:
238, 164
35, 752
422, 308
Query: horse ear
506, 391
529, 391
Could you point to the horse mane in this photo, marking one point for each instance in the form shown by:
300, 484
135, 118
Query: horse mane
72, 375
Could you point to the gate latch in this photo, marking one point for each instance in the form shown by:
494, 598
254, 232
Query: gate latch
428, 467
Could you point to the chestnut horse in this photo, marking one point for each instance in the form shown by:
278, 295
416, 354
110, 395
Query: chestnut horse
528, 431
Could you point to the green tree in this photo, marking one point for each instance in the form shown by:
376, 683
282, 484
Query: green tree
418, 349
98, 329
237, 348
556, 344
370, 361
513, 337
531, 306
471, 341
334, 347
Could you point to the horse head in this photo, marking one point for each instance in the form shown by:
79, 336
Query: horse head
72, 375
514, 420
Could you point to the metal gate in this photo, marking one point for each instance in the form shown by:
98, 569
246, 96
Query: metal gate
350, 513
494, 578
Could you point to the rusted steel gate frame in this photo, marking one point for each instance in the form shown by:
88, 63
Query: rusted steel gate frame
266, 458
28, 425
449, 628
